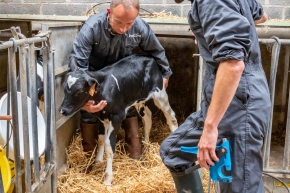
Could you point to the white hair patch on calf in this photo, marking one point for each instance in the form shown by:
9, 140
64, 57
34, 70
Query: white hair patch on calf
161, 101
71, 81
116, 81
39, 69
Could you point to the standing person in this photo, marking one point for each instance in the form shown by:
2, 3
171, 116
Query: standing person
236, 101
104, 39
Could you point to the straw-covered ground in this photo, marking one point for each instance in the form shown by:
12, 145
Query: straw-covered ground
146, 175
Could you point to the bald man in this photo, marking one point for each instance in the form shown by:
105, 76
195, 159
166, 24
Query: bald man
104, 39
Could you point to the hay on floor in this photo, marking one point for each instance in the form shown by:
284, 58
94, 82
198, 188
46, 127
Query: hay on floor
146, 175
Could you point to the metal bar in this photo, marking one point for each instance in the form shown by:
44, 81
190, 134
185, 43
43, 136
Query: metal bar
60, 70
285, 41
50, 171
52, 127
284, 85
277, 171
33, 95
9, 44
267, 41
42, 17
199, 81
47, 104
287, 136
14, 104
274, 66
8, 129
63, 120
23, 87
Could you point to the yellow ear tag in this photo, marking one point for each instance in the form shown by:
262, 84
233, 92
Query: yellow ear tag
92, 89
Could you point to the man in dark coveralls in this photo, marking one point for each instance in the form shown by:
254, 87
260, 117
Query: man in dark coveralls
236, 101
104, 39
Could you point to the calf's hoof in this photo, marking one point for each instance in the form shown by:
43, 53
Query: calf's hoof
108, 179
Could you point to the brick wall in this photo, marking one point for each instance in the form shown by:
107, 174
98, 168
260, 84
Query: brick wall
276, 9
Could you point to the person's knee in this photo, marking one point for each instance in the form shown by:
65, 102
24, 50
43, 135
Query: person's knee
164, 150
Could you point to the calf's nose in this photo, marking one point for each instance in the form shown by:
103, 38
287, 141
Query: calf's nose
61, 111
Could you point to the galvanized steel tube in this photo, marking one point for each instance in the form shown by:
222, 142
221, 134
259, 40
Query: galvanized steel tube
33, 95
53, 129
286, 161
15, 128
274, 66
24, 110
46, 105
9, 44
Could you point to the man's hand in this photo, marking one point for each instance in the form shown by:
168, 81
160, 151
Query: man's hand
195, 41
206, 147
6, 117
165, 82
90, 107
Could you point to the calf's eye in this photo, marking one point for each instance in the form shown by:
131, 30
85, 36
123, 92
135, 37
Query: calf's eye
78, 93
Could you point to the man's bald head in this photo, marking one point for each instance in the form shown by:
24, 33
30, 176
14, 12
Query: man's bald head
128, 4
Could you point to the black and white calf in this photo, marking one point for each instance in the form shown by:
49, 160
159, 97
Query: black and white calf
39, 81
130, 82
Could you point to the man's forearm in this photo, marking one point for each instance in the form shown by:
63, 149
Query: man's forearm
227, 80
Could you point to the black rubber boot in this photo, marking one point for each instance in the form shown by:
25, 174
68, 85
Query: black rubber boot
189, 183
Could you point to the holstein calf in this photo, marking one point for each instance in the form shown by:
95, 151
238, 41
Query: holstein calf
130, 82
39, 81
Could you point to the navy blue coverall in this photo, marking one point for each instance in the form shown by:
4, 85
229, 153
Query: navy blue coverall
97, 47
224, 30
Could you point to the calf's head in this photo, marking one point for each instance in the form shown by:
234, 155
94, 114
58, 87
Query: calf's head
78, 88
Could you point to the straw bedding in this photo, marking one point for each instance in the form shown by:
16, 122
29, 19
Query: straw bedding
146, 175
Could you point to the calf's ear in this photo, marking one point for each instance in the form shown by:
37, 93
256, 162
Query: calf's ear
91, 80
92, 83
92, 90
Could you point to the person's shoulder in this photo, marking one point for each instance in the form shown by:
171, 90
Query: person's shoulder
141, 23
96, 18
141, 20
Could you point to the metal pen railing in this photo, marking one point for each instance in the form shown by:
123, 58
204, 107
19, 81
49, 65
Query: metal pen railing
276, 44
27, 69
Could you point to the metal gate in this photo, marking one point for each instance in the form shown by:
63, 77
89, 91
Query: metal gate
35, 174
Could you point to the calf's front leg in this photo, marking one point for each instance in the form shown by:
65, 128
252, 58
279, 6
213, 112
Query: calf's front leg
105, 145
101, 141
111, 130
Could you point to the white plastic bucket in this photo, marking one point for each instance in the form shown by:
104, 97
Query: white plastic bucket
40, 125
